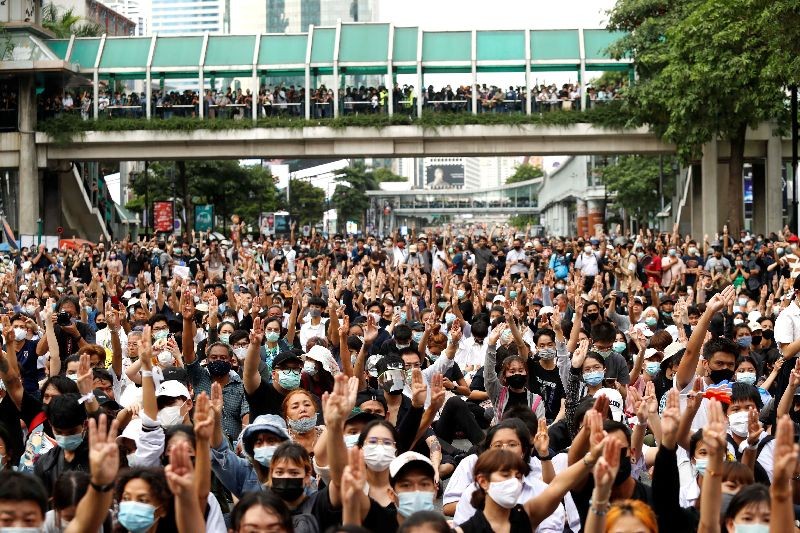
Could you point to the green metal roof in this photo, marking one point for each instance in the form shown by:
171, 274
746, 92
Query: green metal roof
549, 45
364, 43
322, 45
84, 52
596, 43
59, 47
446, 46
125, 53
224, 50
277, 50
178, 52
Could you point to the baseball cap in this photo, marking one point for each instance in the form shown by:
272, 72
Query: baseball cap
407, 459
105, 400
499, 298
132, 430
650, 352
174, 373
614, 402
754, 326
358, 414
284, 356
547, 310
644, 329
173, 389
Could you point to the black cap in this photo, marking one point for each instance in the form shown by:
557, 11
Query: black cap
284, 356
538, 302
105, 400
389, 362
417, 326
358, 414
667, 298
371, 395
174, 373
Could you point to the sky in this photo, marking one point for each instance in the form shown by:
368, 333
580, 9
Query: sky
494, 15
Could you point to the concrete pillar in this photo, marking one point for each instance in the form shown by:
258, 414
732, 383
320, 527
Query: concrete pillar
774, 207
696, 223
28, 205
595, 214
582, 219
710, 190
759, 224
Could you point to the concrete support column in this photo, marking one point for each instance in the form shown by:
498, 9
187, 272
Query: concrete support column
582, 219
774, 184
595, 214
759, 178
28, 205
696, 203
710, 189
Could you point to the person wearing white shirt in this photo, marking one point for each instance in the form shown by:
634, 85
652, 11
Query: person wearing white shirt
589, 261
472, 350
316, 325
517, 259
412, 360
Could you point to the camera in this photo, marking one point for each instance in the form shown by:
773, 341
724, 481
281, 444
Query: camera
63, 318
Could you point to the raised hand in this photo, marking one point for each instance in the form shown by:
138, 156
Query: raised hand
753, 427
716, 430
542, 439
419, 391
85, 375
580, 353
606, 468
670, 419
216, 401
337, 404
203, 418
257, 333
146, 349
103, 451
180, 470
187, 305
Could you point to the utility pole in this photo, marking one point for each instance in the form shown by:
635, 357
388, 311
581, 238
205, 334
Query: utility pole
795, 182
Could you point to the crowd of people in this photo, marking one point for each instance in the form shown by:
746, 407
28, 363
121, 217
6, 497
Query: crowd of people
289, 100
469, 379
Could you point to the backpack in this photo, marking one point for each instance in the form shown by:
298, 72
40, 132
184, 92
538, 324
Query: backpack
759, 473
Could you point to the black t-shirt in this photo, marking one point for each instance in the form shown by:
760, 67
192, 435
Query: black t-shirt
319, 506
266, 400
548, 385
28, 366
518, 518
516, 398
9, 421
477, 382
381, 518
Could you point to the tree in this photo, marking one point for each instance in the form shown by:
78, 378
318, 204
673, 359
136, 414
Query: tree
384, 175
634, 183
525, 172
350, 196
703, 73
306, 202
66, 23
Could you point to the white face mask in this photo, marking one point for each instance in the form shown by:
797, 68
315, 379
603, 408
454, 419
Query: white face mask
738, 423
20, 333
377, 457
505, 493
170, 416
240, 353
165, 358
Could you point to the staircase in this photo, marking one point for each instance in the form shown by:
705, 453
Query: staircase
86, 206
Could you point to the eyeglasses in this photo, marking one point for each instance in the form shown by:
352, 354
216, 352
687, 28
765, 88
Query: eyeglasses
382, 442
502, 445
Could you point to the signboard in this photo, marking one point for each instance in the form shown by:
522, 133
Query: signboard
203, 217
266, 223
162, 217
444, 176
281, 224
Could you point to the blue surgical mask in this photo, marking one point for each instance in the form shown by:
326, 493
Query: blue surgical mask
350, 440
409, 503
650, 321
512, 294
273, 336
506, 336
417, 336
449, 318
136, 516
302, 425
442, 305
700, 466
403, 317
653, 369
161, 335
604, 353
288, 379
264, 455
432, 356
619, 346
593, 378
460, 293
750, 528
225, 337
745, 341
69, 442
746, 377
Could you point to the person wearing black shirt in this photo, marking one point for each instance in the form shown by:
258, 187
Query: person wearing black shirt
68, 419
543, 376
266, 398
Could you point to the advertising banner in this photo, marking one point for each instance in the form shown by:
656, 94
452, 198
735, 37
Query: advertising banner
203, 217
162, 217
444, 176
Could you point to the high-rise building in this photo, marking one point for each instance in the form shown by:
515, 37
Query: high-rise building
186, 17
135, 10
111, 22
290, 16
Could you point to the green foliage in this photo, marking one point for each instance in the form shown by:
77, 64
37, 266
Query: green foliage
617, 78
525, 172
66, 23
382, 175
634, 183
68, 128
306, 202
521, 222
350, 196
230, 187
704, 72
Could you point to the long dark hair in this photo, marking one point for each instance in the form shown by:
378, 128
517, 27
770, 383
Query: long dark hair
157, 481
495, 460
516, 425
262, 499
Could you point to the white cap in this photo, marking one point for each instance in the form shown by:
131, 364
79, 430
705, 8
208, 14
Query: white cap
615, 402
650, 352
133, 301
499, 298
644, 329
672, 329
754, 326
126, 294
753, 316
173, 389
407, 458
202, 307
547, 309
132, 430
672, 349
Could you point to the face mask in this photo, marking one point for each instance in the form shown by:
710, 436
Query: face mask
432, 356
136, 516
738, 423
160, 335
625, 467
449, 318
745, 341
69, 442
20, 333
718, 376
750, 528
273, 336
442, 305
170, 416
288, 379
560, 286
403, 317
73, 377
409, 503
30, 309
218, 368
240, 353
547, 354
591, 317
650, 321
593, 379
315, 313
726, 501
767, 334
653, 369
310, 368
619, 346
505, 338
756, 340
587, 249
692, 251
746, 377
604, 353
350, 440
639, 254
165, 358
377, 456
738, 321
743, 302
700, 466
417, 336
302, 425
376, 317
263, 455
516, 381
505, 493
460, 293
224, 337
512, 294
288, 489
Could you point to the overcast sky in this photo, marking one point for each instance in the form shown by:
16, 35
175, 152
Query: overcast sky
495, 14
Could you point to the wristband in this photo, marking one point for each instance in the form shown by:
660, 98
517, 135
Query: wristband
587, 461
102, 488
88, 397
146, 373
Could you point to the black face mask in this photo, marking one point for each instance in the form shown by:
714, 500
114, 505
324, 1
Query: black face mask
592, 316
756, 341
624, 471
518, 247
218, 368
718, 376
288, 489
100, 325
517, 381
768, 334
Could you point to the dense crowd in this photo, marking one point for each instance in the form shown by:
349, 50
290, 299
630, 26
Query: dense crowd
475, 379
